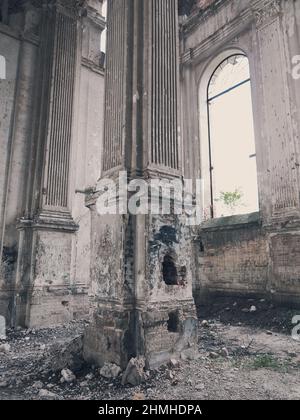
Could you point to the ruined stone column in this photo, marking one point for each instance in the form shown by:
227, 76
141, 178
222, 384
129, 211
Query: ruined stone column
142, 266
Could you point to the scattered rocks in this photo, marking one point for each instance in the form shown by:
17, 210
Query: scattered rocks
174, 363
292, 354
110, 371
44, 394
189, 354
38, 385
213, 355
205, 324
68, 354
169, 375
28, 373
67, 376
5, 348
84, 384
138, 397
224, 352
199, 387
134, 373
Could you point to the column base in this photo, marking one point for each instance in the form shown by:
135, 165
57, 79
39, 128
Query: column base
118, 334
45, 294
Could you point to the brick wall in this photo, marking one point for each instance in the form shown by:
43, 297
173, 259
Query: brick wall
247, 260
234, 260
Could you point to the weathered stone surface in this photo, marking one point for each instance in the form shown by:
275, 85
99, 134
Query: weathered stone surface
44, 394
65, 356
47, 152
134, 373
143, 260
110, 371
67, 376
60, 260
5, 348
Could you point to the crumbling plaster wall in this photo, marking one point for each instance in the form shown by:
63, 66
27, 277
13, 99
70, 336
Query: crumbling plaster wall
248, 256
16, 107
46, 272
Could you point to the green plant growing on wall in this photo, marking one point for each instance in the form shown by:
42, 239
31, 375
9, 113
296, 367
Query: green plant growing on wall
231, 199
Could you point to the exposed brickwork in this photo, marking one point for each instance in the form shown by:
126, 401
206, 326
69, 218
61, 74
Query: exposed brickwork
234, 260
285, 257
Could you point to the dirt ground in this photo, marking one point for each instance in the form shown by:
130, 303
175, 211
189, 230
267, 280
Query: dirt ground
242, 355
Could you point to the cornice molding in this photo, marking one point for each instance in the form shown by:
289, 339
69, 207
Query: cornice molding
72, 8
258, 13
197, 18
91, 65
266, 10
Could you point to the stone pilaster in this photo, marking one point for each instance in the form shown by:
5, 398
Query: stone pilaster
93, 26
280, 137
44, 287
281, 172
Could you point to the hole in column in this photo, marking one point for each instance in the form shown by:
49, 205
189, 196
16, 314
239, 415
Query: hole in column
173, 322
170, 274
182, 275
201, 246
108, 343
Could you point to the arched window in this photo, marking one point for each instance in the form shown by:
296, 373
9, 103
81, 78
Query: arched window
2, 68
231, 149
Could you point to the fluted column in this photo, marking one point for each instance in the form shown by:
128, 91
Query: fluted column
60, 119
141, 103
134, 303
163, 83
45, 290
56, 113
117, 66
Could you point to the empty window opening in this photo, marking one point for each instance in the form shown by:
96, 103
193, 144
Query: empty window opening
104, 33
4, 11
232, 155
2, 68
173, 322
170, 274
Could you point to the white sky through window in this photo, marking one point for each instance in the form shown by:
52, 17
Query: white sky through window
103, 36
232, 137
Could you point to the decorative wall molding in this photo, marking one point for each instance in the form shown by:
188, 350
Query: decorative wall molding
89, 64
72, 8
266, 10
259, 13
230, 32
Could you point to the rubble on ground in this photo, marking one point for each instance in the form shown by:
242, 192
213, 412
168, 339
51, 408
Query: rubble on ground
239, 356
